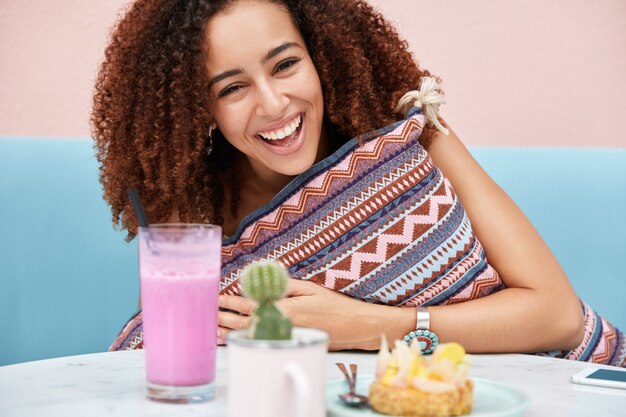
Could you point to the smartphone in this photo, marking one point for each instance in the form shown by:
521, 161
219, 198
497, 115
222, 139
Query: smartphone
611, 378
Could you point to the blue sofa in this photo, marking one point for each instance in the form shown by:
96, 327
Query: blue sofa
68, 280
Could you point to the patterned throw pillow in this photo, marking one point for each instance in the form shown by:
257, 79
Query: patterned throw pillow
377, 222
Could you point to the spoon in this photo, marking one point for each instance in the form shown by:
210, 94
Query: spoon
351, 398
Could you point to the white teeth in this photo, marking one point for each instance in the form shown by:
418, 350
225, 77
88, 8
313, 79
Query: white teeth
282, 133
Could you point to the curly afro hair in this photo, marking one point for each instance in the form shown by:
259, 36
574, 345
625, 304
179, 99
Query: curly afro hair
150, 118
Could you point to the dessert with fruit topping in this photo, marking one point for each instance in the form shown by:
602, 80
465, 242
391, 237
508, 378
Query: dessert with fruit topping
410, 384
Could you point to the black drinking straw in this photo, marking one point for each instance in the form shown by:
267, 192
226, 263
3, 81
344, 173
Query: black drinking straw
140, 214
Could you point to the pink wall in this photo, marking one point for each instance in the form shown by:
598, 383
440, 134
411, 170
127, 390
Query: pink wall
529, 73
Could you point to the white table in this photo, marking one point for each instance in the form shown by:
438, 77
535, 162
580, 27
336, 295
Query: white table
113, 384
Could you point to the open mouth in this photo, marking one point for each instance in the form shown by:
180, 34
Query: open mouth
286, 135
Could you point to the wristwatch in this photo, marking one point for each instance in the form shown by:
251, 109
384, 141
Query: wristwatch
427, 339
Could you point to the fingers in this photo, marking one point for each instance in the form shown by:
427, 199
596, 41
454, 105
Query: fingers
231, 321
236, 303
239, 308
222, 332
296, 287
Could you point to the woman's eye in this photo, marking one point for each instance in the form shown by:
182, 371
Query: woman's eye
229, 90
286, 64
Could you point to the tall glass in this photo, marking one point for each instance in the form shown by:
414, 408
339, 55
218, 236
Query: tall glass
179, 268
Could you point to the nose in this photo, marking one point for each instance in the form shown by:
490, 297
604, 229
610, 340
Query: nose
272, 100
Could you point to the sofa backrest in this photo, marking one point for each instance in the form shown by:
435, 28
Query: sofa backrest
69, 281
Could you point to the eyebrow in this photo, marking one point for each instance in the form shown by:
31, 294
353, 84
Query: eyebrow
280, 48
271, 54
225, 74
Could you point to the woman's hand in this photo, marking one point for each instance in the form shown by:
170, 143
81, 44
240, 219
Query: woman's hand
240, 308
351, 323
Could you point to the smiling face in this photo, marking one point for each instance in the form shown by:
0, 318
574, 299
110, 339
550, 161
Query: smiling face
266, 94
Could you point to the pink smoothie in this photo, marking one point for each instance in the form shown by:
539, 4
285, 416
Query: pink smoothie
180, 322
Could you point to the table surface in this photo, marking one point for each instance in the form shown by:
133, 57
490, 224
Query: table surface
113, 384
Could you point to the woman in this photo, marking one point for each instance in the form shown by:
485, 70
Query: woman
222, 111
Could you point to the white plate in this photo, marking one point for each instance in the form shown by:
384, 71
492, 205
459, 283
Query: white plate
491, 399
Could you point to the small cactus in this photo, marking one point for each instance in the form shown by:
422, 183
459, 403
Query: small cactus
266, 283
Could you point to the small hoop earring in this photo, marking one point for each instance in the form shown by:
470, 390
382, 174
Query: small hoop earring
209, 146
